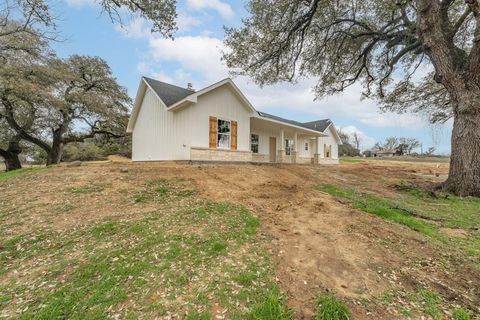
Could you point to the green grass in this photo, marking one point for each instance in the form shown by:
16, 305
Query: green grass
272, 307
431, 303
88, 188
187, 256
461, 314
328, 307
422, 302
351, 160
414, 208
452, 211
19, 172
384, 208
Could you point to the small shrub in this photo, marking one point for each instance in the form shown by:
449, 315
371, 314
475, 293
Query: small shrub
83, 151
330, 308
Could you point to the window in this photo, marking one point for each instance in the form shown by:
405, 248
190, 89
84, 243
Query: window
306, 146
254, 143
328, 151
223, 134
288, 147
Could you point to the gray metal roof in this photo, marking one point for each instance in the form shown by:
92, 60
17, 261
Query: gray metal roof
319, 125
169, 93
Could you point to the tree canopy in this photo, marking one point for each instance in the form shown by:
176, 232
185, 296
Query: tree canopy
375, 43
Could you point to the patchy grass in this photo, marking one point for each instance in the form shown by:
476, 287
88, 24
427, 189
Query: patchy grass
88, 188
422, 302
421, 212
431, 303
19, 172
461, 314
273, 307
328, 307
186, 258
351, 160
383, 208
452, 211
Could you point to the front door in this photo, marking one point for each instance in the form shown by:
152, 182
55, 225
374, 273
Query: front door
273, 149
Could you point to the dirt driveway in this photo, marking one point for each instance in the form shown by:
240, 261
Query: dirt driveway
318, 243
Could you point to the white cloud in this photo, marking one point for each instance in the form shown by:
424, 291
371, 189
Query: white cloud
135, 28
366, 142
197, 54
185, 22
81, 3
223, 9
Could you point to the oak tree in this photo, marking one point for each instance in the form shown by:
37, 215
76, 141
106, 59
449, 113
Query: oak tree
382, 45
74, 99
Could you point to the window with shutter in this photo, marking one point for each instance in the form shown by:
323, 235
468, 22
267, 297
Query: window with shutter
212, 143
234, 135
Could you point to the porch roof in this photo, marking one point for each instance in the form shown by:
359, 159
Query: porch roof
288, 124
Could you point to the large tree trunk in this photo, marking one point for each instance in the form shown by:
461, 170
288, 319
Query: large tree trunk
55, 154
10, 156
464, 175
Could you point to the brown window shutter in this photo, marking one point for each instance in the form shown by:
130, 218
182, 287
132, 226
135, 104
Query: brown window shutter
234, 135
324, 150
213, 133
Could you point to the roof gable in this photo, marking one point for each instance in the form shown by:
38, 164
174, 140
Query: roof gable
169, 93
319, 125
193, 97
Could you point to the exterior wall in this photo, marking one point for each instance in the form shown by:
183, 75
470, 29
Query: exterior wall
264, 134
160, 134
330, 140
301, 147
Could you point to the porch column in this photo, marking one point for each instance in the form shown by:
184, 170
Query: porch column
295, 148
316, 156
281, 149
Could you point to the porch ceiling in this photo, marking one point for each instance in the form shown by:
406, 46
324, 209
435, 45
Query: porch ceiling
257, 122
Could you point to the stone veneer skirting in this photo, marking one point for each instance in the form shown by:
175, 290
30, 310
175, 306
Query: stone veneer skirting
206, 154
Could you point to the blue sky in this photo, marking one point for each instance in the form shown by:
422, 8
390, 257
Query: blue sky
194, 56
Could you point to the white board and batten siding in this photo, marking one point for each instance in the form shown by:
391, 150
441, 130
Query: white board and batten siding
160, 134
330, 140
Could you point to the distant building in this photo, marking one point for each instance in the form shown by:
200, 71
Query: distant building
381, 153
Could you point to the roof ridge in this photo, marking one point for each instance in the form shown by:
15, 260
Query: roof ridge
168, 84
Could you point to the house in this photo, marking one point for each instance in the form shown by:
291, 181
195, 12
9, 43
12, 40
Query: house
218, 123
381, 153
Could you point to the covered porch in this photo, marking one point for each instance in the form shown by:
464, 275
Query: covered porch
275, 141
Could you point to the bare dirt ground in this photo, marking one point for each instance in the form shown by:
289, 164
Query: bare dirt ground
318, 243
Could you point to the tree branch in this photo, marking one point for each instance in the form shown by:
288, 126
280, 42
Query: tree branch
10, 117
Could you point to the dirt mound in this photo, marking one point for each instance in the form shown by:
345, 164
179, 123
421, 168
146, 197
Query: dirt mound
317, 242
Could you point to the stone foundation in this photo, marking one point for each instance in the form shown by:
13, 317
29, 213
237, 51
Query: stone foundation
328, 161
206, 154
304, 160
260, 157
281, 156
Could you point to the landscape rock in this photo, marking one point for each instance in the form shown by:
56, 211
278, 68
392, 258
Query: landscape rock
124, 170
74, 164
